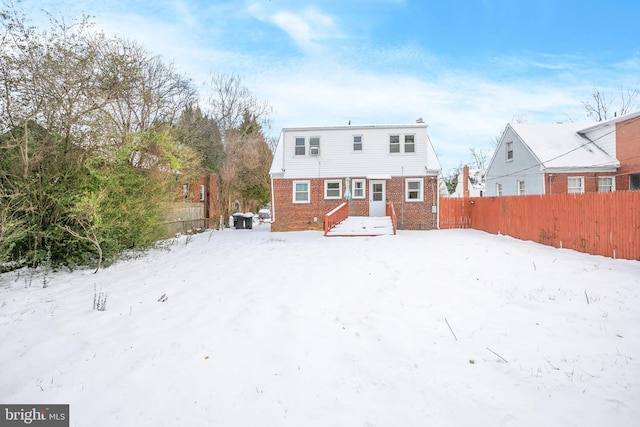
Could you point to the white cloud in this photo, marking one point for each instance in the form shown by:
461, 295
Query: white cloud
463, 110
330, 80
307, 28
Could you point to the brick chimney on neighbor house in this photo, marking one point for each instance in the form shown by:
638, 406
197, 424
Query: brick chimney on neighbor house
465, 182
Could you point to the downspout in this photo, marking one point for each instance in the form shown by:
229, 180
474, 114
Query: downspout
436, 193
403, 196
438, 206
273, 203
273, 200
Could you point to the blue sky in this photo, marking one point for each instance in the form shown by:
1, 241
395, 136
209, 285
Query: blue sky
466, 67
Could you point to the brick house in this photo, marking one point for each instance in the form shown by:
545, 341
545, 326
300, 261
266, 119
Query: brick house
313, 166
566, 158
204, 191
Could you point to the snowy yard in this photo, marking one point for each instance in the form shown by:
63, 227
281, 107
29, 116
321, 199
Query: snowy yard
439, 328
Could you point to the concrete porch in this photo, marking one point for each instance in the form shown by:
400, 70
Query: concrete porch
363, 226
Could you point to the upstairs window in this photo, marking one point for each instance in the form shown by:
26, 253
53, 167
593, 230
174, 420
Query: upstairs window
299, 146
409, 144
185, 192
357, 143
575, 184
314, 146
509, 151
394, 143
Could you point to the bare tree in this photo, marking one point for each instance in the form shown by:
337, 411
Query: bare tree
229, 100
479, 157
600, 109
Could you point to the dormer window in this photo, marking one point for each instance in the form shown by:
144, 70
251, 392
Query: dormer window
394, 143
314, 146
357, 143
300, 147
409, 144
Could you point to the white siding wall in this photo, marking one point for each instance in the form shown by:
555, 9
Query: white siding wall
605, 138
338, 159
524, 167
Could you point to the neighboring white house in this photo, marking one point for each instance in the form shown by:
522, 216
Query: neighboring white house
313, 166
475, 183
552, 158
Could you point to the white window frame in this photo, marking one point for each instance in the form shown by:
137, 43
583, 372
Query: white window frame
326, 189
314, 149
410, 141
609, 187
520, 188
308, 184
575, 184
498, 189
394, 144
420, 191
296, 146
354, 194
202, 193
509, 151
357, 142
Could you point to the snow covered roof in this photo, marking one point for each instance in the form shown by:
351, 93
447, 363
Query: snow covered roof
609, 122
354, 126
560, 145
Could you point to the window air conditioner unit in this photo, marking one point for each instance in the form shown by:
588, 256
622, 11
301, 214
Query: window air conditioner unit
314, 151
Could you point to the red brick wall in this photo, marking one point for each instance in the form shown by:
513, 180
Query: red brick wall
627, 151
193, 195
559, 182
291, 216
300, 216
414, 215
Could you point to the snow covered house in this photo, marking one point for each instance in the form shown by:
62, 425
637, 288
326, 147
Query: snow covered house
470, 183
566, 158
315, 169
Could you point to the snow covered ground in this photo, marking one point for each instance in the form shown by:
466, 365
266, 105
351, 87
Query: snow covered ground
438, 328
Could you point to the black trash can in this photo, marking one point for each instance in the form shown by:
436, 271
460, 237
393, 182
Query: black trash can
248, 220
238, 221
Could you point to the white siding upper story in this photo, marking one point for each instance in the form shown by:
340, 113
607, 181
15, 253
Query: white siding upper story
604, 133
370, 157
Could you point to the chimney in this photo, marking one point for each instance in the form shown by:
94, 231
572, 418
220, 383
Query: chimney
465, 182
420, 120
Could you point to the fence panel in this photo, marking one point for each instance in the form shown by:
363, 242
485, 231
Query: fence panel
454, 213
185, 218
597, 223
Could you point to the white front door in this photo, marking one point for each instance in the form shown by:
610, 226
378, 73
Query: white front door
377, 198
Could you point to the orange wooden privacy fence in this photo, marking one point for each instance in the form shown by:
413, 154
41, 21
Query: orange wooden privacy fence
596, 223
